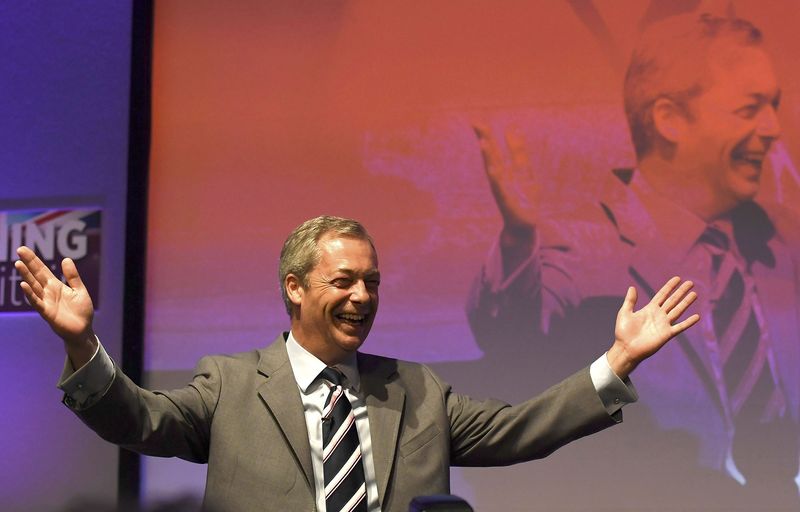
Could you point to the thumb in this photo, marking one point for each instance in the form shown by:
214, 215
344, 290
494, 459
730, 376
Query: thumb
630, 300
481, 129
71, 274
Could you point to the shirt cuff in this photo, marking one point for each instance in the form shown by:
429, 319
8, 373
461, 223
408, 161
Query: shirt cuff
85, 386
613, 391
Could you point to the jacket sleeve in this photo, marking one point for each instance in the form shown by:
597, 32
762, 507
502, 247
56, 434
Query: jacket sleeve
494, 433
162, 423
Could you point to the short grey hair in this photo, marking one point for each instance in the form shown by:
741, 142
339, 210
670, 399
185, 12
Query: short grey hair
300, 252
670, 62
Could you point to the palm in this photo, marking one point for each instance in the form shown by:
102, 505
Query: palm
68, 311
504, 177
645, 330
640, 334
67, 308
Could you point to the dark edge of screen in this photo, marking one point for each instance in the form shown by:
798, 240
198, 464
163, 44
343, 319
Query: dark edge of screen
129, 469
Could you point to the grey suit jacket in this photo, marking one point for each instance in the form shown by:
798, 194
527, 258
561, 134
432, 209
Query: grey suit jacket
242, 414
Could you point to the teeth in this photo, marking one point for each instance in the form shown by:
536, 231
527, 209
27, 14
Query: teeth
751, 159
351, 317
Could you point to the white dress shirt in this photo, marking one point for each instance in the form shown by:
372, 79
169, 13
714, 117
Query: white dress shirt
313, 393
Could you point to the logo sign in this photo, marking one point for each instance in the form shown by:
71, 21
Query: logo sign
54, 235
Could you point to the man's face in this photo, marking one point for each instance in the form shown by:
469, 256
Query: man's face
340, 301
734, 125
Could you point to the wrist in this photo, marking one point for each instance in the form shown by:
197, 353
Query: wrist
621, 363
517, 237
81, 349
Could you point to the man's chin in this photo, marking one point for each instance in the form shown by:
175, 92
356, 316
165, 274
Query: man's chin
351, 341
744, 184
747, 190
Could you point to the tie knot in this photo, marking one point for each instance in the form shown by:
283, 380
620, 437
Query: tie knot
332, 375
715, 238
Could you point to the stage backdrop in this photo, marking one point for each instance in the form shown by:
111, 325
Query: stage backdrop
266, 113
64, 82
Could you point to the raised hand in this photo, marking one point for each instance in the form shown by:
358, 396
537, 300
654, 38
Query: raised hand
519, 213
640, 334
67, 308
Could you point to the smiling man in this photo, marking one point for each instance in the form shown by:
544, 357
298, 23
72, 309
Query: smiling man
334, 304
701, 99
703, 114
312, 423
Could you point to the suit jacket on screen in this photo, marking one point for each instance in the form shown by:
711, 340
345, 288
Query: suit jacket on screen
548, 311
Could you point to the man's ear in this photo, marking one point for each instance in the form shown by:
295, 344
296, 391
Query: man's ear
294, 289
669, 119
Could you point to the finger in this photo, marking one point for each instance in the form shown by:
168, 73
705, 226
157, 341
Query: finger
481, 130
497, 174
520, 156
630, 300
28, 278
35, 300
39, 270
676, 296
682, 326
681, 307
71, 274
665, 291
492, 157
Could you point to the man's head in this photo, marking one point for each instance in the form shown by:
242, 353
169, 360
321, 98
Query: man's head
329, 282
701, 94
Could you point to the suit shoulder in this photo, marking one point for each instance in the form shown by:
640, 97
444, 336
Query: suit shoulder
785, 219
766, 223
235, 360
407, 371
371, 361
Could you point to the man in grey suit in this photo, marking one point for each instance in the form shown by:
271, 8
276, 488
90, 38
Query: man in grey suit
259, 418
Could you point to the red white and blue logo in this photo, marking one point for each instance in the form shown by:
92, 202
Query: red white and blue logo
54, 235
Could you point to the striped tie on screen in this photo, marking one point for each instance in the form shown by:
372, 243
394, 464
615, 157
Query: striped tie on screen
345, 487
743, 344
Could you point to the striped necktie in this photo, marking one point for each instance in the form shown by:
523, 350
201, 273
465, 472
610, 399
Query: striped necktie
743, 344
345, 487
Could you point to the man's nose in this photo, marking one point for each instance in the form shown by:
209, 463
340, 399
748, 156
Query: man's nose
768, 126
358, 292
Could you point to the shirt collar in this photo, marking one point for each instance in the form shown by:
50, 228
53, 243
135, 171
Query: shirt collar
306, 366
675, 223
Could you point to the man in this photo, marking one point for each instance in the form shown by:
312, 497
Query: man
701, 99
266, 421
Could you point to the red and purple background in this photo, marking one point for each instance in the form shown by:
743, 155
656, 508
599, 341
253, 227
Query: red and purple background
266, 113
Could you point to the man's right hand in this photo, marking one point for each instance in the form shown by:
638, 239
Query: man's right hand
520, 213
67, 308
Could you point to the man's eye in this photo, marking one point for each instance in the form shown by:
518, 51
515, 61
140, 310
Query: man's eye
748, 111
373, 283
342, 282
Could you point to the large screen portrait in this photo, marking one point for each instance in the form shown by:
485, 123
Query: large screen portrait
519, 165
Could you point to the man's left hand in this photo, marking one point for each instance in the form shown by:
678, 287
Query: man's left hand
640, 334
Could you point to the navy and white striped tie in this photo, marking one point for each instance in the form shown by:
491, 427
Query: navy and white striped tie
345, 487
744, 346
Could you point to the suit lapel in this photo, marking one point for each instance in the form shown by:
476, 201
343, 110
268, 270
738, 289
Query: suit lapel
652, 261
776, 292
385, 399
282, 398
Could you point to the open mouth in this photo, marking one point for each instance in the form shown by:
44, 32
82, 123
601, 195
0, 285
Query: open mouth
351, 319
754, 159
